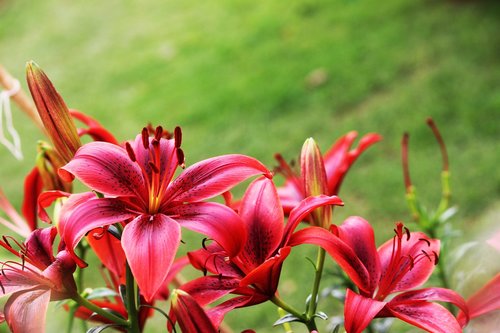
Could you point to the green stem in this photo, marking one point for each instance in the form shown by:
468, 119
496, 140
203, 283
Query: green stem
131, 302
91, 306
287, 307
320, 262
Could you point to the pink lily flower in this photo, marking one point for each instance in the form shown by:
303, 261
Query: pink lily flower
32, 284
328, 171
397, 267
253, 274
137, 183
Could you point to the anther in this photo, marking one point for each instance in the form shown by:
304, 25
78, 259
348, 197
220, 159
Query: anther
158, 133
177, 136
180, 157
145, 138
427, 255
436, 258
130, 152
425, 240
407, 233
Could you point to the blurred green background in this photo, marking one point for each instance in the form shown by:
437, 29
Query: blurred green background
259, 77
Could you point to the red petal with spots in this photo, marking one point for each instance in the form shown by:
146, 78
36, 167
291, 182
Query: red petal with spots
217, 221
263, 217
208, 289
338, 250
359, 311
150, 243
430, 317
213, 259
358, 234
86, 216
106, 168
214, 176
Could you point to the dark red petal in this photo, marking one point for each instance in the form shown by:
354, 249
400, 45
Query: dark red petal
150, 243
358, 234
32, 188
359, 311
263, 217
46, 199
266, 276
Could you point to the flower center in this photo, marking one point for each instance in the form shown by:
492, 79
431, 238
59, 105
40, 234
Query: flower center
401, 263
157, 164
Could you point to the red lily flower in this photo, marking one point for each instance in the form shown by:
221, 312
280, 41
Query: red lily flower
254, 273
39, 279
137, 183
328, 171
399, 265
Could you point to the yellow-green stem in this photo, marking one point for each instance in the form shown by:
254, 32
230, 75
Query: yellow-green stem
320, 261
91, 306
131, 302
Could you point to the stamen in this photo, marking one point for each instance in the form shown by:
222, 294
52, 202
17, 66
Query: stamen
130, 152
145, 138
180, 157
426, 241
158, 133
436, 258
407, 233
178, 137
427, 255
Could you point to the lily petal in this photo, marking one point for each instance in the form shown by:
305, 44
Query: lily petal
305, 207
214, 176
150, 244
266, 276
430, 317
89, 215
483, 301
263, 216
339, 159
434, 294
106, 168
25, 311
359, 311
32, 188
109, 251
358, 234
217, 221
208, 289
338, 250
212, 259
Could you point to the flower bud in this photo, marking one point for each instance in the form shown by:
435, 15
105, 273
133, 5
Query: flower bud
53, 112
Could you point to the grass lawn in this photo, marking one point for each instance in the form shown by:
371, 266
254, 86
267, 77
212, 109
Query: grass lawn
257, 78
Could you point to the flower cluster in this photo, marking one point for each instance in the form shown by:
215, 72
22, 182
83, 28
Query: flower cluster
137, 203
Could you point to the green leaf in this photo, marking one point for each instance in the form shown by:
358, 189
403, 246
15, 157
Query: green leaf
101, 328
101, 292
286, 319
